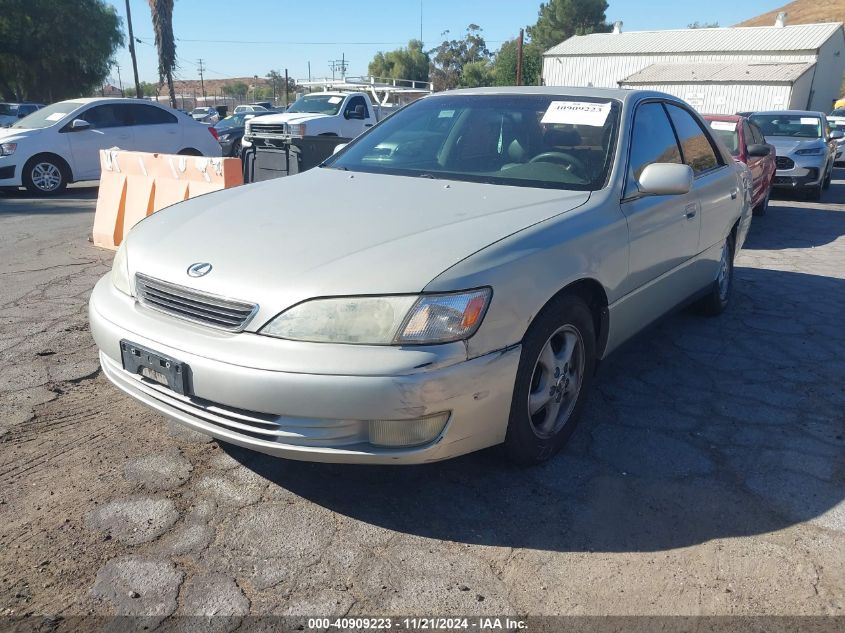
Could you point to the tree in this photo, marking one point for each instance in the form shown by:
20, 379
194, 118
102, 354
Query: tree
147, 90
504, 67
55, 49
449, 59
559, 20
237, 89
411, 62
162, 13
703, 25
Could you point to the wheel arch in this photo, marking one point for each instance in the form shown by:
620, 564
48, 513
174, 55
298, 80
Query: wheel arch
592, 292
60, 161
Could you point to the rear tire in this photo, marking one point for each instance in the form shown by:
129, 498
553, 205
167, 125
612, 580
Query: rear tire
555, 371
45, 175
717, 299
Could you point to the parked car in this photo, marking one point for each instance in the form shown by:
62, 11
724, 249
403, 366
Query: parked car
446, 282
836, 120
806, 149
230, 131
250, 108
746, 144
11, 112
60, 143
342, 114
205, 115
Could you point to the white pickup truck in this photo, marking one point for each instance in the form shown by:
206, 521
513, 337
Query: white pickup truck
341, 114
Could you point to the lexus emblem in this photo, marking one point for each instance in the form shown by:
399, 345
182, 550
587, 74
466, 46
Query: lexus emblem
199, 269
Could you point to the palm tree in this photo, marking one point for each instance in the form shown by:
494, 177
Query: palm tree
162, 11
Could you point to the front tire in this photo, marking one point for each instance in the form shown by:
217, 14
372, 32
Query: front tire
555, 372
45, 176
717, 299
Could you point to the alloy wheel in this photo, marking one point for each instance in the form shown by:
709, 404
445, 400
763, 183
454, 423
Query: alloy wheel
46, 176
556, 381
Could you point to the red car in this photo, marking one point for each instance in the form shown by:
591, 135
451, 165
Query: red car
746, 143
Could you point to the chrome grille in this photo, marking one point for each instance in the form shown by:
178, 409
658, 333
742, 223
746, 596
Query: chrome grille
783, 162
193, 305
267, 128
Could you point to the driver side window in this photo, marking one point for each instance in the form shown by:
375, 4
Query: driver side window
357, 103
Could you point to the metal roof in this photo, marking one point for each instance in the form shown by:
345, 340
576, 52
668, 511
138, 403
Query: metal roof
719, 72
797, 37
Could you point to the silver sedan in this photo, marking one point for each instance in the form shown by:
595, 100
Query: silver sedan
446, 282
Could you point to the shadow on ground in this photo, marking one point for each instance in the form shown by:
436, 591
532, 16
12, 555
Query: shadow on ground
699, 429
20, 201
798, 223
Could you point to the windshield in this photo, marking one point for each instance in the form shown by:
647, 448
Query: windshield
524, 140
48, 115
234, 120
838, 112
788, 125
317, 104
726, 132
8, 109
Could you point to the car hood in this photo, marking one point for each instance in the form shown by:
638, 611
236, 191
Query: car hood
8, 134
788, 144
328, 233
291, 118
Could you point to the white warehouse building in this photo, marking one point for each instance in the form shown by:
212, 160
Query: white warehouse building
718, 70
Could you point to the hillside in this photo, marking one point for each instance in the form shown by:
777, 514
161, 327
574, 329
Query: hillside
803, 12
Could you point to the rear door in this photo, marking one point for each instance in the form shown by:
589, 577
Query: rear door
155, 129
109, 127
715, 184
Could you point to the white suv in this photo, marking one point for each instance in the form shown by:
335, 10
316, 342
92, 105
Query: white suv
60, 143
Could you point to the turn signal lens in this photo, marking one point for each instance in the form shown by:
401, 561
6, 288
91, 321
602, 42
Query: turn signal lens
444, 318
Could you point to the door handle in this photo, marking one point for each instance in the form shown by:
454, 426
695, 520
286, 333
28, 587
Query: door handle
690, 210
733, 194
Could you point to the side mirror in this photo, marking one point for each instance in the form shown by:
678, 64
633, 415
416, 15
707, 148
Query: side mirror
339, 147
758, 150
666, 179
77, 125
837, 134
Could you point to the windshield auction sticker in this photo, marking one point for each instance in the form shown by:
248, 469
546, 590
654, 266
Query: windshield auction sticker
577, 113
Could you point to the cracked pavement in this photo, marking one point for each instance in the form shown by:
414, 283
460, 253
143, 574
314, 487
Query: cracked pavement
706, 478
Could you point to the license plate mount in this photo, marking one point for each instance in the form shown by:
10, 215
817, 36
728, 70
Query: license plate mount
155, 367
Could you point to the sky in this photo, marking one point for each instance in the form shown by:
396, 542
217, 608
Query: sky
242, 38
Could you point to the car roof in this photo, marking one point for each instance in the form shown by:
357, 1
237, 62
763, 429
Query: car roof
620, 94
89, 100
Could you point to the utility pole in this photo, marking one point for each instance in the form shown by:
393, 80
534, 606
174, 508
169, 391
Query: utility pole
201, 68
286, 88
138, 94
119, 80
309, 71
519, 57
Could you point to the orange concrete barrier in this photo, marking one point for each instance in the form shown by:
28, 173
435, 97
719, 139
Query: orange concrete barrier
134, 185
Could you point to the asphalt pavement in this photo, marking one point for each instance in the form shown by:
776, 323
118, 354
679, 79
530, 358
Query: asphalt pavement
706, 478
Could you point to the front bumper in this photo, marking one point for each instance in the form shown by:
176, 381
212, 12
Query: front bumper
308, 416
8, 175
807, 171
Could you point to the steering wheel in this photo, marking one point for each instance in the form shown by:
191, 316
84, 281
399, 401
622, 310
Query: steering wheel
572, 164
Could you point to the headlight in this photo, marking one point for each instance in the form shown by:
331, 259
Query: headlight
7, 149
815, 151
390, 320
120, 270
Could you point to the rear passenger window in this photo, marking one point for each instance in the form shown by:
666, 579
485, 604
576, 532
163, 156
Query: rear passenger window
652, 141
697, 149
149, 115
